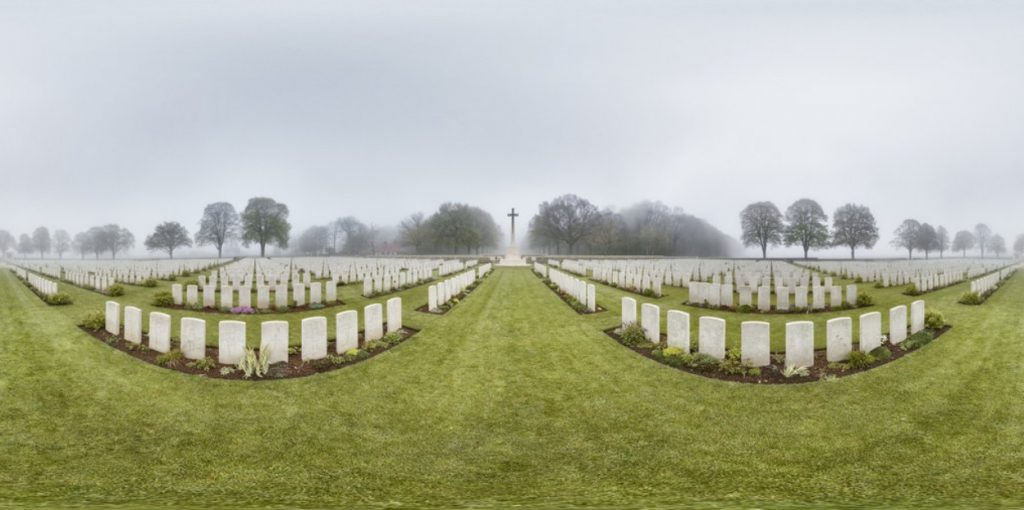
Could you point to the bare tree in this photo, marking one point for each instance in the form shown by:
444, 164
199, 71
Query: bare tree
41, 241
7, 242
219, 224
762, 226
906, 236
942, 240
982, 234
854, 226
168, 237
806, 225
997, 244
61, 242
413, 232
963, 241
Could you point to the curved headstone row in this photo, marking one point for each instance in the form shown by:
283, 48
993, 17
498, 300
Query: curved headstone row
445, 290
584, 292
273, 334
755, 339
988, 283
283, 296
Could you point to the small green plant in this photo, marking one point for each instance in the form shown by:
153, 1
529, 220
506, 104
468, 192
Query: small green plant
93, 321
253, 364
911, 290
648, 292
375, 345
795, 371
136, 347
163, 299
860, 359
633, 335
933, 319
355, 354
206, 364
170, 358
316, 306
881, 353
294, 350
745, 309
702, 361
58, 299
226, 371
919, 339
149, 282
865, 300
392, 338
115, 290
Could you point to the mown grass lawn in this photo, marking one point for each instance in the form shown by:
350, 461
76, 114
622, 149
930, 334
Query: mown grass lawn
510, 399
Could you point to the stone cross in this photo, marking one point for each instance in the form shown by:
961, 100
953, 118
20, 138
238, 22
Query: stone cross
513, 215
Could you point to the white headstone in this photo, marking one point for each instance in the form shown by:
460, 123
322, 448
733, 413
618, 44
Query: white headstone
755, 343
193, 338
916, 316
227, 296
159, 331
432, 298
274, 340
192, 295
650, 320
373, 322
133, 324
800, 344
897, 324
839, 333
230, 342
711, 336
346, 331
628, 311
870, 331
394, 314
176, 294
113, 316
314, 338
679, 330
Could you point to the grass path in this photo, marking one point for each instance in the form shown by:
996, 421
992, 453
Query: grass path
512, 398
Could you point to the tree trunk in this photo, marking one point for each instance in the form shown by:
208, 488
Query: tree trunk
852, 256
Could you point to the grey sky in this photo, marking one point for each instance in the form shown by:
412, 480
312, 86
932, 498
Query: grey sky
141, 112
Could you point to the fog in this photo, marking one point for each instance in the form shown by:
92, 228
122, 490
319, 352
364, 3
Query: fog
138, 112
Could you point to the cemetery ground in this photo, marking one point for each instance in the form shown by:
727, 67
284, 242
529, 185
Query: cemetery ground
512, 398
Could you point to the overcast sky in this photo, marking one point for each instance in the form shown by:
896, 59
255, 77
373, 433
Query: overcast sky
142, 112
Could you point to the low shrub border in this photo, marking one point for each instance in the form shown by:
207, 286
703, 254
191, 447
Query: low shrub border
733, 369
209, 367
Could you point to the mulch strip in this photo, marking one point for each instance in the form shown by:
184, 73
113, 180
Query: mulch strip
772, 374
294, 367
792, 311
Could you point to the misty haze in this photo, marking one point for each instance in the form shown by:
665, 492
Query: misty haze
473, 254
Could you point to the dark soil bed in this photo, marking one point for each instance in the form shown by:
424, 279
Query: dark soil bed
792, 311
569, 299
772, 374
294, 367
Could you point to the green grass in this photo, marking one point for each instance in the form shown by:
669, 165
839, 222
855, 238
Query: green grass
510, 399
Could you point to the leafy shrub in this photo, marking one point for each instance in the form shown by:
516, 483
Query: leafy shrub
919, 339
93, 321
858, 280
206, 364
170, 358
795, 371
702, 361
294, 350
864, 300
745, 309
164, 299
970, 298
58, 299
933, 319
633, 335
375, 345
392, 338
115, 290
911, 290
253, 364
648, 292
860, 359
149, 282
355, 354
881, 353
226, 371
